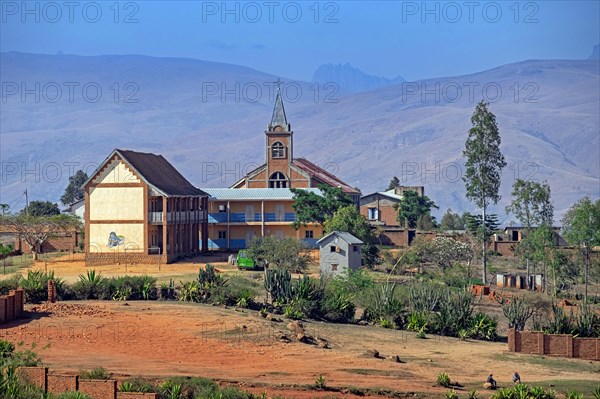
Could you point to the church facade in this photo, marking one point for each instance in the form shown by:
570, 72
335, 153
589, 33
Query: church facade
260, 203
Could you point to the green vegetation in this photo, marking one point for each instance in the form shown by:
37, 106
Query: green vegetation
99, 373
443, 380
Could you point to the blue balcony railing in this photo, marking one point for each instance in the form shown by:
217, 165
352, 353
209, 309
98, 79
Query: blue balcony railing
273, 217
220, 217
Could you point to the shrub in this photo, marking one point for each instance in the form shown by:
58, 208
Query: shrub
99, 373
384, 305
473, 395
138, 385
597, 392
451, 394
443, 380
416, 321
337, 307
517, 311
483, 327
193, 387
36, 285
72, 395
573, 394
320, 382
91, 286
8, 284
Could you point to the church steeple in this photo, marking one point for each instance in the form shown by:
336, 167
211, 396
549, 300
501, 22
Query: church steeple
279, 119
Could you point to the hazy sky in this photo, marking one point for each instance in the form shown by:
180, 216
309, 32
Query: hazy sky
291, 39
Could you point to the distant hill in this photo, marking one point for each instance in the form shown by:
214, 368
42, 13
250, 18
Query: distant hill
351, 79
188, 110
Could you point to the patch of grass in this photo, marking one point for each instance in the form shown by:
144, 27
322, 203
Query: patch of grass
385, 373
586, 387
555, 364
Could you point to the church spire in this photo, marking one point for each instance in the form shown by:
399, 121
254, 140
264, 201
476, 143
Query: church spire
279, 118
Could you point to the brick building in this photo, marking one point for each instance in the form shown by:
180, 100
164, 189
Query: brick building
260, 203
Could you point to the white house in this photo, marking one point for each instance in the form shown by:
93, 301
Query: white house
339, 251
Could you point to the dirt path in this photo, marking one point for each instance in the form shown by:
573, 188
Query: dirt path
165, 339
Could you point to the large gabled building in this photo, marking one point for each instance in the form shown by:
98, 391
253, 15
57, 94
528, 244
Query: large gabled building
139, 208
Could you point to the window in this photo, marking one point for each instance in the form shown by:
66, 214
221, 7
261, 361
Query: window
355, 248
277, 150
332, 248
277, 180
223, 234
222, 208
373, 213
308, 234
334, 267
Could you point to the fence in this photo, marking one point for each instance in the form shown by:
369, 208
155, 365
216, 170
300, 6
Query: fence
561, 345
57, 383
12, 306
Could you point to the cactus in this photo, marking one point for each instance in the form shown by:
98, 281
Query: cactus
423, 298
517, 311
278, 284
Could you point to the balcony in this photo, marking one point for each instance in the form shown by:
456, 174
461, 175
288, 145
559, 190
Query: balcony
238, 217
177, 217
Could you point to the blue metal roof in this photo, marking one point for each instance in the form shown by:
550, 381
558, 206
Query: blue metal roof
258, 194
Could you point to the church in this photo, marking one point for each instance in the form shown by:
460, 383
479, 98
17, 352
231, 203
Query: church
260, 203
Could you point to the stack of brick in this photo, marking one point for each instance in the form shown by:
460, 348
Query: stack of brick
12, 306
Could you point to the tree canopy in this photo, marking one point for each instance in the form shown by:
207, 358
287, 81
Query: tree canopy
412, 207
41, 208
283, 253
452, 221
531, 203
313, 208
395, 182
74, 191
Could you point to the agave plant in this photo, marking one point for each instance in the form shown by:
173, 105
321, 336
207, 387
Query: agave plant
190, 291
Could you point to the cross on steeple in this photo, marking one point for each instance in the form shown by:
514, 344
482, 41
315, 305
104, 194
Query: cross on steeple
279, 118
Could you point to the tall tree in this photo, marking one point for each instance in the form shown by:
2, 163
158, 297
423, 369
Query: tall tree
532, 205
394, 183
412, 207
452, 221
41, 208
284, 253
349, 220
314, 208
581, 227
4, 208
74, 191
484, 164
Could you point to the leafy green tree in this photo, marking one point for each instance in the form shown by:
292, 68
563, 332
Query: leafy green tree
313, 208
532, 205
446, 252
475, 226
35, 230
74, 191
452, 221
283, 253
412, 207
395, 182
484, 164
581, 227
41, 208
348, 219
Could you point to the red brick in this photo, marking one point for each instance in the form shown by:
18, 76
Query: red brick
62, 383
3, 318
10, 308
35, 375
136, 395
99, 389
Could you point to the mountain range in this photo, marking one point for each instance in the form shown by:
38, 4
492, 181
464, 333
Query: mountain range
62, 112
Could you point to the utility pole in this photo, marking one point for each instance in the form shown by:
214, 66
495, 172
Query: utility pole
26, 203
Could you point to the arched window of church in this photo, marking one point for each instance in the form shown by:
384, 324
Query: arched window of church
278, 150
278, 180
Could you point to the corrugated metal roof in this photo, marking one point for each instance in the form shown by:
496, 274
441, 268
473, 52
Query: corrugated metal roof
233, 194
389, 194
323, 175
349, 238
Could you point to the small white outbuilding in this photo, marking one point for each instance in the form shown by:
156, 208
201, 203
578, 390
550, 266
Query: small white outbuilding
339, 251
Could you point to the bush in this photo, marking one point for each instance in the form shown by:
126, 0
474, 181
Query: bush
192, 387
8, 284
483, 327
72, 395
131, 288
92, 286
443, 380
137, 385
99, 373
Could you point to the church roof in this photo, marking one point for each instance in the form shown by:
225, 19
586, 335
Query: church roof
245, 194
322, 175
278, 118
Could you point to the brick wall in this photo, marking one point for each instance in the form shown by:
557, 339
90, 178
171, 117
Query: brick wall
12, 306
35, 375
58, 383
136, 395
506, 248
3, 315
99, 389
562, 345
